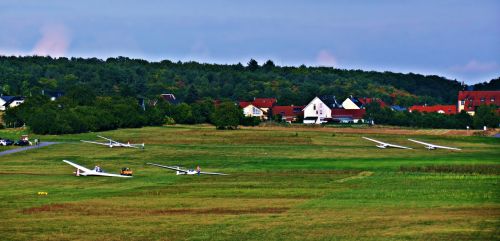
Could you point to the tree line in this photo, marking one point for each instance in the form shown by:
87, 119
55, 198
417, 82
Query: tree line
485, 115
192, 81
82, 110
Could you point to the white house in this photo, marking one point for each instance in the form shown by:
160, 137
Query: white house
251, 110
316, 112
351, 104
10, 101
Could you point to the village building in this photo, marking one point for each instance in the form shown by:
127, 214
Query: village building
170, 98
288, 113
348, 115
259, 107
10, 101
470, 100
252, 111
442, 109
319, 110
353, 103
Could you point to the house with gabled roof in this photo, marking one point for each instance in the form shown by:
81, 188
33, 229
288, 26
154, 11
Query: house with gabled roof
442, 109
470, 100
289, 113
348, 115
252, 111
10, 101
253, 108
353, 103
319, 110
170, 98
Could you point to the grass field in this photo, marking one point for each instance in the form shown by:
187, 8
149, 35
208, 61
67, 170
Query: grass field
284, 184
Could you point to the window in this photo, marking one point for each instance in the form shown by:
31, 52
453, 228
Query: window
256, 111
314, 107
462, 102
483, 99
492, 99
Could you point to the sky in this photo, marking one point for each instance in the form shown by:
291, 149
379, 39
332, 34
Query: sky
457, 39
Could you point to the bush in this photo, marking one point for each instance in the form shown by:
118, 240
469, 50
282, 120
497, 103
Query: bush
250, 121
227, 116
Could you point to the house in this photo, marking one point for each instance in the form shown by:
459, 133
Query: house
353, 103
442, 109
470, 100
10, 101
348, 115
250, 110
288, 113
263, 105
319, 110
170, 98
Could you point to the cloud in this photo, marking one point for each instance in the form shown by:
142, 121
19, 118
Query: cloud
55, 41
325, 58
475, 66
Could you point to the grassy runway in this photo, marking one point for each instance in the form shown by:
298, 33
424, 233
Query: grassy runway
284, 184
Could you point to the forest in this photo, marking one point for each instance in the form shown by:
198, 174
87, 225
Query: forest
121, 93
189, 81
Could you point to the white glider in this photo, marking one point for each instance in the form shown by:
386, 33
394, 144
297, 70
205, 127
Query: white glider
433, 147
83, 171
180, 171
385, 145
113, 143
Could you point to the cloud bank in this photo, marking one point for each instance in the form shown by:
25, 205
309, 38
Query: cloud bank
55, 41
325, 58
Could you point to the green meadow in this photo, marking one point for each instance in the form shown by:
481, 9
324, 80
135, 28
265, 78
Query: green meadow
284, 184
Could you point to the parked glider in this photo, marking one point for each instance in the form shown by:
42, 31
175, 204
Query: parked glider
385, 145
113, 143
83, 171
433, 147
180, 171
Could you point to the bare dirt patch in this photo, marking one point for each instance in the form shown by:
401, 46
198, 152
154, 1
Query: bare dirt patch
224, 211
359, 176
92, 211
371, 130
46, 208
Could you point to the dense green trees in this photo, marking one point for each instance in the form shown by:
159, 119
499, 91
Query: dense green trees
227, 115
484, 116
191, 81
103, 94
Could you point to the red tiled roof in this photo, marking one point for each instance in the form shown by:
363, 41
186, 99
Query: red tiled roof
244, 104
446, 109
473, 99
354, 114
366, 101
288, 111
264, 102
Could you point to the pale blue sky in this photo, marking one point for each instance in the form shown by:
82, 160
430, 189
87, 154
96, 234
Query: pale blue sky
458, 39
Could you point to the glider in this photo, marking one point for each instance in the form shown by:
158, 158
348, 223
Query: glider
83, 171
180, 171
433, 147
113, 143
385, 145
